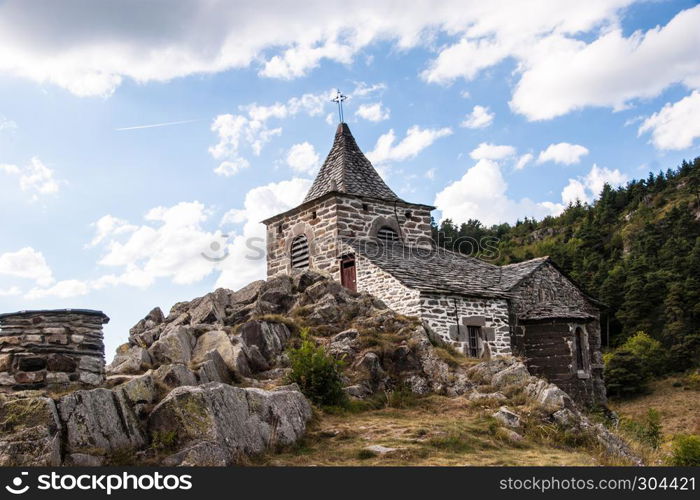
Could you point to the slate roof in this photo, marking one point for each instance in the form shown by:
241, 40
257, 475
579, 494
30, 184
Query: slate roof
439, 271
553, 311
347, 170
512, 274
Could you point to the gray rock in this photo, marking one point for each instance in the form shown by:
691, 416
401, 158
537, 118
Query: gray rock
370, 368
150, 321
173, 346
213, 369
233, 421
507, 417
480, 396
277, 293
381, 450
98, 422
269, 337
516, 374
83, 460
30, 435
171, 376
138, 393
548, 396
248, 294
231, 349
130, 359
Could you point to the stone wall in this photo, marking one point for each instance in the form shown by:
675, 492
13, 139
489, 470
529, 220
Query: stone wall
318, 222
445, 312
363, 217
325, 220
51, 349
384, 286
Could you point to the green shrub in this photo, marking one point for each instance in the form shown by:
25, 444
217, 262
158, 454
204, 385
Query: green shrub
650, 352
629, 367
624, 375
648, 431
316, 372
686, 451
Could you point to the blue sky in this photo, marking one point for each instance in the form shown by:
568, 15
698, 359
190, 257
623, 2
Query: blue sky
489, 110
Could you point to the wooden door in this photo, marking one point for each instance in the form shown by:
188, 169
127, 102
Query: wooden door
348, 276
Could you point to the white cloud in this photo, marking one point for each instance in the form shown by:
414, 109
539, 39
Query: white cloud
362, 89
10, 292
486, 151
561, 74
523, 161
169, 245
231, 166
482, 194
241, 132
676, 125
26, 263
588, 187
480, 117
246, 261
416, 140
62, 290
91, 50
563, 153
109, 225
373, 112
34, 178
7, 124
303, 158
429, 174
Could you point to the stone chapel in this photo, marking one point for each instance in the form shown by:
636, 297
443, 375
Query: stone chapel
352, 226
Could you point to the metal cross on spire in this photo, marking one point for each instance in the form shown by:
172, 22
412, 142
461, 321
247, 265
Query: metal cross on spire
339, 98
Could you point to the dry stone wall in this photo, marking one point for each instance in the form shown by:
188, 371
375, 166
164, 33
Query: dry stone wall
51, 349
392, 292
445, 312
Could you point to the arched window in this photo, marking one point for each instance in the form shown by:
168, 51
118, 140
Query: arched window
387, 234
578, 337
300, 252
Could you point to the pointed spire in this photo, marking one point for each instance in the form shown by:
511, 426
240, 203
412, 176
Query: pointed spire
347, 170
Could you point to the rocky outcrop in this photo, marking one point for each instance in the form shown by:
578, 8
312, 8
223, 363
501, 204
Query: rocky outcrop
217, 424
549, 402
30, 431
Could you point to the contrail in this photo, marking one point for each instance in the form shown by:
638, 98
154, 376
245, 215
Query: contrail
153, 125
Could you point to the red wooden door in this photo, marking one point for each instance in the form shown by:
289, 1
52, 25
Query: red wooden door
348, 277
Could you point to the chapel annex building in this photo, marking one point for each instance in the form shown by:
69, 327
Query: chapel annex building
354, 227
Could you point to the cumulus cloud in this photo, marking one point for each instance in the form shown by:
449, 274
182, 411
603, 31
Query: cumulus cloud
480, 117
62, 290
563, 153
482, 194
34, 178
239, 134
416, 140
303, 158
587, 188
676, 125
373, 112
246, 261
90, 50
26, 263
523, 161
561, 74
168, 245
487, 151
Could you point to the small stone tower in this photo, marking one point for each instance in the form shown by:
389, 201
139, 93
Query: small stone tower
51, 349
348, 199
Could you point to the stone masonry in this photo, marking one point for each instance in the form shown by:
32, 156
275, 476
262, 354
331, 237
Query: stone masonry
51, 349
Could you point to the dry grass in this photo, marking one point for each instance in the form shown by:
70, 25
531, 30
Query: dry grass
435, 431
677, 405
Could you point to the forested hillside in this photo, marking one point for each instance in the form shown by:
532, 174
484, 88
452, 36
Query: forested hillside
636, 248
